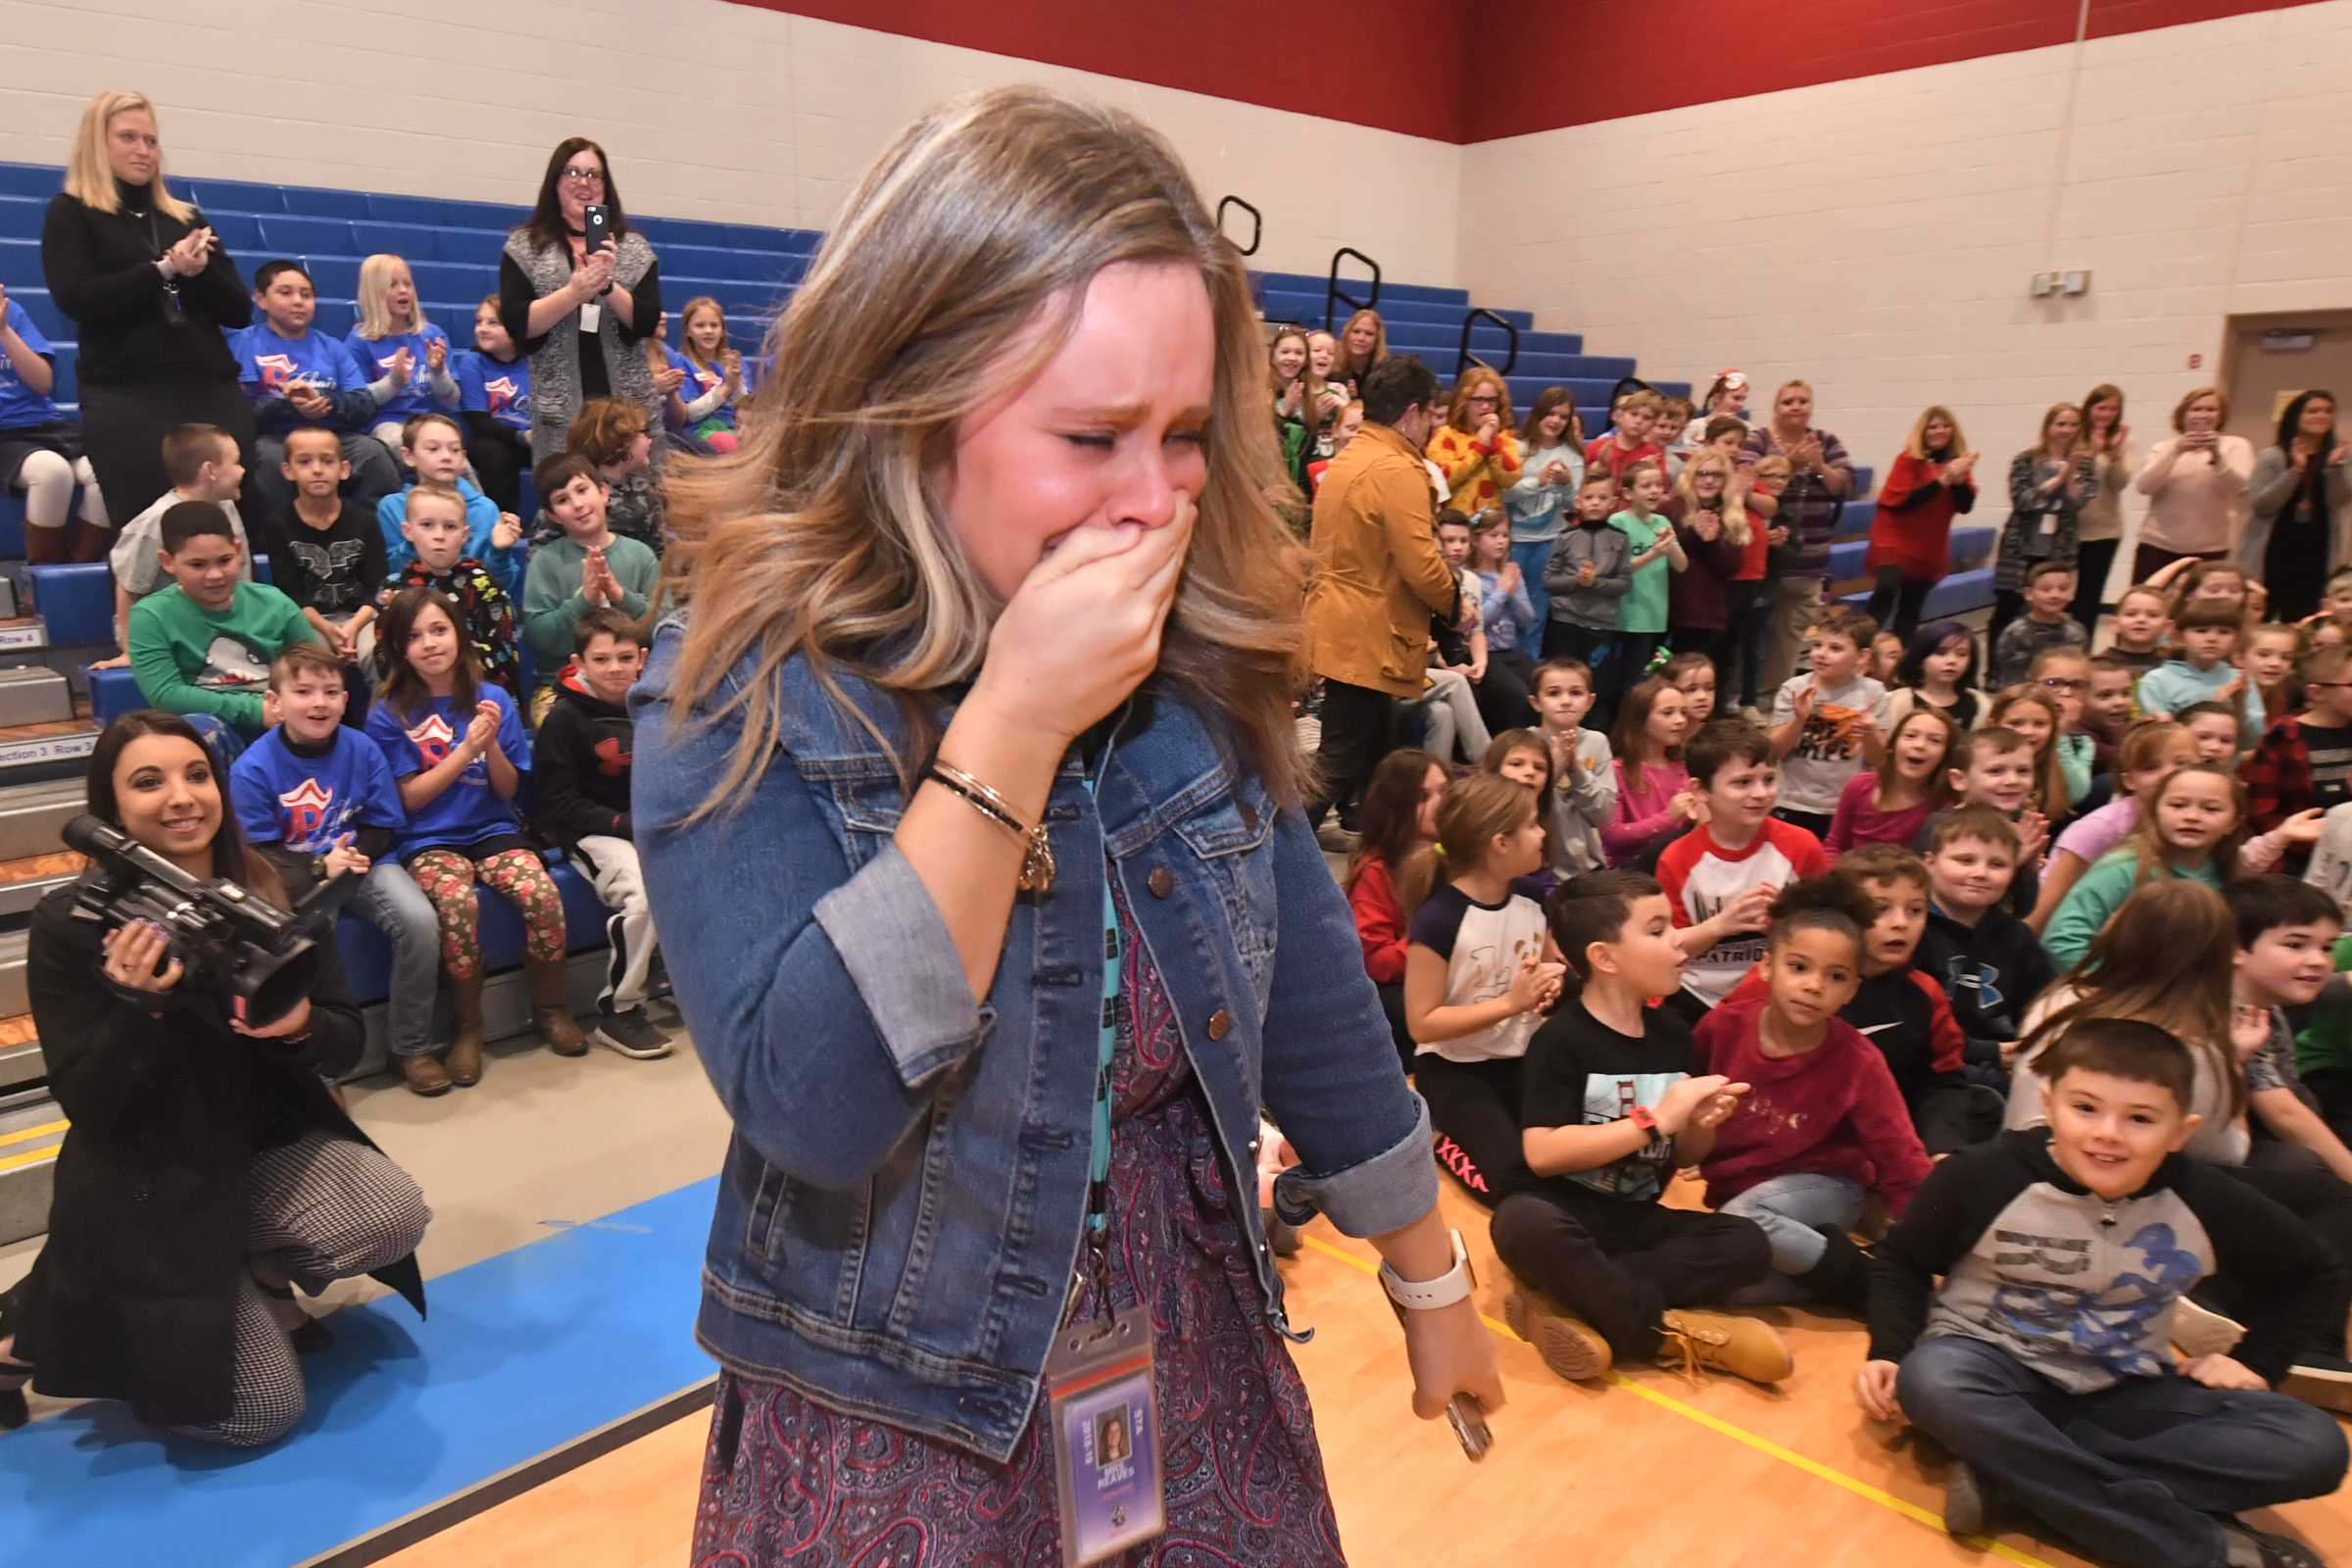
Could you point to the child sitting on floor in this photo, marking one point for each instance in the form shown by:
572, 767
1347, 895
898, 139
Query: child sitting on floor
1399, 818
2152, 751
1990, 962
1995, 767
1475, 979
1580, 761
1891, 803
1831, 724
1614, 1102
1823, 1121
2045, 1366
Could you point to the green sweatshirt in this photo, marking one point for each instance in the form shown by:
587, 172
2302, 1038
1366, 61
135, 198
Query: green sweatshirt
2097, 895
552, 601
194, 660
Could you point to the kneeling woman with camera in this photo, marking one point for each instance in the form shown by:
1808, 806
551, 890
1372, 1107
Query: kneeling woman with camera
207, 1169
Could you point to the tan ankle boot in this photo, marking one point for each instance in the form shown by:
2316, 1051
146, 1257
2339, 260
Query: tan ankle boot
424, 1076
465, 1057
551, 1013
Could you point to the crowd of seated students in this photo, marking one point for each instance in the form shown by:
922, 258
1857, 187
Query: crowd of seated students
1856, 977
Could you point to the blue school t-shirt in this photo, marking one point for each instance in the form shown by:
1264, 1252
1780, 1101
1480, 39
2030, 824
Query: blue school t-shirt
20, 405
417, 396
308, 802
701, 383
469, 809
269, 366
501, 391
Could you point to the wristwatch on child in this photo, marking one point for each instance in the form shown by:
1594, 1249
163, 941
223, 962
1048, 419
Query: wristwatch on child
1642, 1118
1450, 1286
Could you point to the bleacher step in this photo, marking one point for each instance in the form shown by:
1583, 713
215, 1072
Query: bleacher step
24, 882
34, 695
57, 749
30, 1135
33, 817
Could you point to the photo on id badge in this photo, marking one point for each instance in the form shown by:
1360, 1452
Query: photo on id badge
1114, 1499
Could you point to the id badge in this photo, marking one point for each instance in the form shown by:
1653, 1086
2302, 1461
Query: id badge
1106, 1437
591, 318
2050, 523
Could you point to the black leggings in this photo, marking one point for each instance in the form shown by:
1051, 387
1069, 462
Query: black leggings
1392, 1007
122, 430
1905, 596
1474, 1105
499, 460
1619, 1264
1503, 696
2296, 1181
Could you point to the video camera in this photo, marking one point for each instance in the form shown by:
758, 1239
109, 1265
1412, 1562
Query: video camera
263, 957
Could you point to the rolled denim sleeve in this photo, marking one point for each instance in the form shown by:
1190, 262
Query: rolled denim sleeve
901, 957
1333, 1082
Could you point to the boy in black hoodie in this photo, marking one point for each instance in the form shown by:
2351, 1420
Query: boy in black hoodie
1989, 962
582, 762
2041, 1360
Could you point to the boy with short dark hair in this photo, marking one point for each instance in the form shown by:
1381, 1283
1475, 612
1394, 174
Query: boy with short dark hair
1831, 724
2215, 727
1584, 783
1613, 1104
436, 527
590, 568
1994, 767
1823, 1120
201, 462
1989, 960
581, 759
324, 552
2207, 633
318, 800
433, 446
2305, 759
1722, 875
1592, 567
2042, 1361
204, 645
302, 380
2045, 624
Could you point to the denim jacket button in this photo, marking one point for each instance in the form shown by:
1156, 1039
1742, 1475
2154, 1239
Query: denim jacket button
1220, 1023
1161, 881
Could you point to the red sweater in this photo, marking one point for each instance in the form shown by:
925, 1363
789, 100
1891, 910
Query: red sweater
1833, 1112
1912, 530
1379, 920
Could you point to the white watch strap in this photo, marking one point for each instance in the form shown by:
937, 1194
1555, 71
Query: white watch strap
1446, 1289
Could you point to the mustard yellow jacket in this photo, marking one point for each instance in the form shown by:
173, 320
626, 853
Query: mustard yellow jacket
1378, 573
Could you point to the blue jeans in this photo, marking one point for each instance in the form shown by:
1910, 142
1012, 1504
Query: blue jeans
1788, 1208
389, 900
221, 736
2129, 1474
1532, 559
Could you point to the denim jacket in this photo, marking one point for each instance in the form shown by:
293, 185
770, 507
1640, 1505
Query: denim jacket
905, 1192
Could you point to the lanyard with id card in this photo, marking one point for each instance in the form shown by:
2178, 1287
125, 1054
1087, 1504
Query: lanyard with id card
1100, 1392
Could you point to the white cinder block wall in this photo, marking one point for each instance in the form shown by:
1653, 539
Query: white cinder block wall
708, 110
1875, 236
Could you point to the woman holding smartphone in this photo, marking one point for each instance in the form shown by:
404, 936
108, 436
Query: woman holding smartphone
150, 291
968, 797
578, 291
2195, 481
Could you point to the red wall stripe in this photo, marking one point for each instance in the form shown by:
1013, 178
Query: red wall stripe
1409, 67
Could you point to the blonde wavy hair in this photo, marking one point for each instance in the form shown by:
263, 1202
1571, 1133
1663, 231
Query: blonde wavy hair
375, 306
822, 535
90, 174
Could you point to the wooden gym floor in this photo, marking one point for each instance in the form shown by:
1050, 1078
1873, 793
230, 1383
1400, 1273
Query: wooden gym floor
1646, 1468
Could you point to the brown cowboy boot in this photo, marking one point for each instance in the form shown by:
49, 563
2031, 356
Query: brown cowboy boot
44, 547
465, 1057
551, 1013
424, 1075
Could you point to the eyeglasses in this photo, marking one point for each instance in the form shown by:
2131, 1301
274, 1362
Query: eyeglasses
2059, 683
585, 177
1484, 396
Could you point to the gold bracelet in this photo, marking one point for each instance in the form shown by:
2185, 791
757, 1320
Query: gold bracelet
1036, 860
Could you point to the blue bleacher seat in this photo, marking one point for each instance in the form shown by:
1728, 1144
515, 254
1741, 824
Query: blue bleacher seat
42, 180
112, 693
318, 201
415, 211
307, 236
76, 602
20, 217
411, 241
11, 525
261, 568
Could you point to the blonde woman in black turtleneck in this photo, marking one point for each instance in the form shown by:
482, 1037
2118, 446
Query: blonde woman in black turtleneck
151, 290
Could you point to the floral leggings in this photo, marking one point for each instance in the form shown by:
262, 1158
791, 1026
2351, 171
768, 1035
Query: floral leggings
448, 876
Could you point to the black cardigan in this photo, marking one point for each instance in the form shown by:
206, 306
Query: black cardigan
134, 1296
100, 267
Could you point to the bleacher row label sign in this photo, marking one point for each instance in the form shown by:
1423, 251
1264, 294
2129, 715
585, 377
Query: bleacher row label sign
47, 749
16, 637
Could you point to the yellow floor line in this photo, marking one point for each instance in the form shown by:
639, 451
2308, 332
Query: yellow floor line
1765, 1445
33, 1158
28, 1134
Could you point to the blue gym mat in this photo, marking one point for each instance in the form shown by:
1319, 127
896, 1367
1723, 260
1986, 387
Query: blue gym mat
523, 1352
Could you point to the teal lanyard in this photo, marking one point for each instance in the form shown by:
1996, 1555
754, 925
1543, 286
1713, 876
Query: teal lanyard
1097, 1215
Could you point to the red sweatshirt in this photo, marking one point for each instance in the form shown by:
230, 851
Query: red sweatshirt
1379, 920
1833, 1112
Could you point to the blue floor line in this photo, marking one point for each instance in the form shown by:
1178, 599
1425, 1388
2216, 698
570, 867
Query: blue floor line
522, 1352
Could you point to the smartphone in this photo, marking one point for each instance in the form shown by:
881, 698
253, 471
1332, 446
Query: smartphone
597, 225
1468, 1418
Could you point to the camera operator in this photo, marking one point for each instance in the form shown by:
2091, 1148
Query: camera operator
207, 1169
